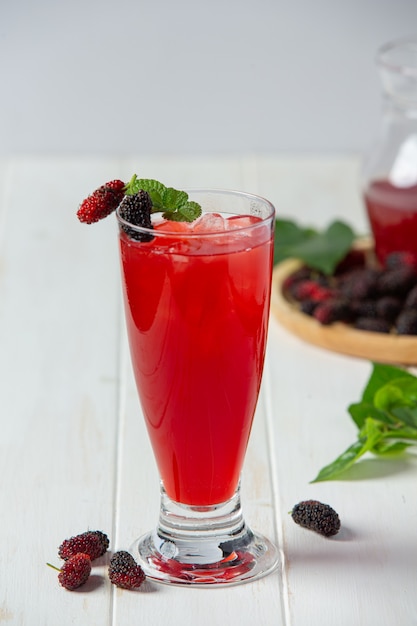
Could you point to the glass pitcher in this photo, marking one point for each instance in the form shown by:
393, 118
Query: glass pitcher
389, 174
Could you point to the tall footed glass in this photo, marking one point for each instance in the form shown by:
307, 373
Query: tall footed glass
197, 306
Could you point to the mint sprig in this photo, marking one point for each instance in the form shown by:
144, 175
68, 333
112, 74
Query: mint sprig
321, 251
173, 204
386, 417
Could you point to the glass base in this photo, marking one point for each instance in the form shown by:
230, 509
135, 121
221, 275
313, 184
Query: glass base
204, 546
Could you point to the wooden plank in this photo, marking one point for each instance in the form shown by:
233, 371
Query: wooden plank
59, 327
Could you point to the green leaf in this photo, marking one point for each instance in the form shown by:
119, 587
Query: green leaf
406, 415
189, 212
371, 431
146, 184
157, 201
174, 204
398, 392
390, 448
320, 251
287, 234
324, 251
403, 432
380, 375
346, 459
386, 418
361, 410
173, 199
193, 207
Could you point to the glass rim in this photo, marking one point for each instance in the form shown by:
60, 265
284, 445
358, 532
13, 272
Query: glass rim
215, 233
386, 60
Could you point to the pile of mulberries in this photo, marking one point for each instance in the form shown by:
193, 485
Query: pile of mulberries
362, 294
79, 551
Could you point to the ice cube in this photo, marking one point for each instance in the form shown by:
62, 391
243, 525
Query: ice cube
173, 227
210, 223
240, 221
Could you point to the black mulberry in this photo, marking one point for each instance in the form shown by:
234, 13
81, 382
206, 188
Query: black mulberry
406, 323
124, 572
363, 308
136, 209
388, 307
372, 324
316, 516
332, 311
359, 284
308, 306
411, 300
397, 282
401, 259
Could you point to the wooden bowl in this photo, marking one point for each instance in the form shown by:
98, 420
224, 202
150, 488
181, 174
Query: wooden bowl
338, 337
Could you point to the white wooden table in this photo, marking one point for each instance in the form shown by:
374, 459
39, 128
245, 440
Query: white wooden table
73, 449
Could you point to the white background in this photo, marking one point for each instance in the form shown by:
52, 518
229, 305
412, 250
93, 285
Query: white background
193, 76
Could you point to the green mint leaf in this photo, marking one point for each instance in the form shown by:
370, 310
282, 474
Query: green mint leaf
361, 410
130, 187
157, 201
406, 415
174, 204
370, 435
403, 432
288, 234
320, 251
186, 213
146, 184
324, 251
190, 211
173, 199
344, 461
390, 448
398, 393
372, 430
380, 375
386, 418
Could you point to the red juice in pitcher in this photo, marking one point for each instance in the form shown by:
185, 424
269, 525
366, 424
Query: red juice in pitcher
197, 315
392, 213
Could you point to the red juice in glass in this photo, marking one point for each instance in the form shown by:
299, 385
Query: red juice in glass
392, 213
197, 309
